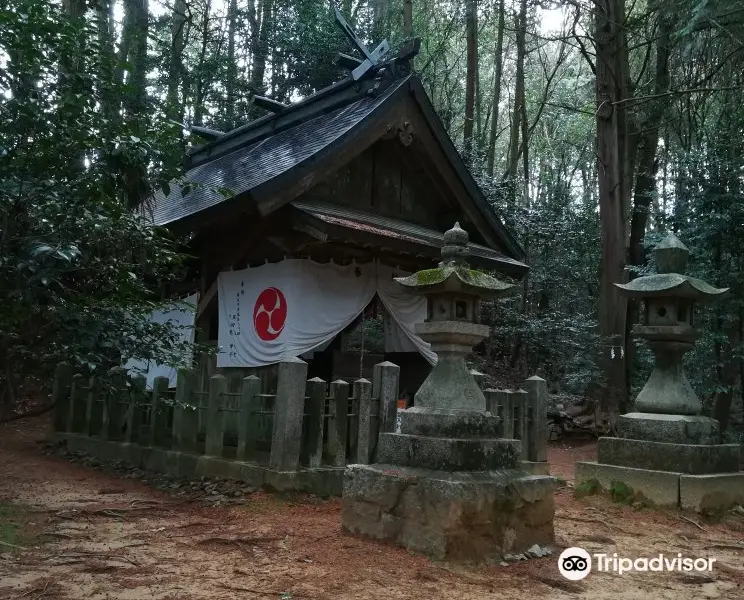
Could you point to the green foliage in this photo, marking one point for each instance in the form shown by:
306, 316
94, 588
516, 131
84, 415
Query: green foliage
79, 271
590, 487
621, 492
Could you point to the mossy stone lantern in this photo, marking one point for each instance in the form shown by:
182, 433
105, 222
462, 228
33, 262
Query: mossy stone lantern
453, 294
669, 297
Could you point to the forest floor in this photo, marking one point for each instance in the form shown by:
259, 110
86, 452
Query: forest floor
71, 531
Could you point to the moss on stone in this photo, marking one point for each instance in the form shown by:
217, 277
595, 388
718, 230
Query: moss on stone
429, 276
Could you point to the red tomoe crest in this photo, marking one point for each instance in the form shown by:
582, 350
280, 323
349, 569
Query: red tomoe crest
269, 314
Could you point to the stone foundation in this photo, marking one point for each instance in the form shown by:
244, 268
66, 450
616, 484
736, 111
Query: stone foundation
450, 515
666, 489
323, 481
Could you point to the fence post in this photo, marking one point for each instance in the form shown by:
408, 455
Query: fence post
479, 377
289, 409
492, 406
316, 395
338, 430
159, 386
521, 430
134, 410
504, 399
363, 394
215, 422
185, 414
537, 394
90, 408
61, 395
111, 425
385, 376
250, 387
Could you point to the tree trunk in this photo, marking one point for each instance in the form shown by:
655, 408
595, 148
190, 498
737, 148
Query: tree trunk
407, 18
521, 25
379, 20
261, 48
645, 184
199, 82
498, 68
611, 163
174, 108
471, 35
232, 68
104, 9
138, 58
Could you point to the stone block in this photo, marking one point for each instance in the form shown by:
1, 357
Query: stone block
679, 458
455, 516
449, 423
661, 488
535, 467
672, 429
711, 492
447, 454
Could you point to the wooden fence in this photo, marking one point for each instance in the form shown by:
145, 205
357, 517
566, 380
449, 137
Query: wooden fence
304, 423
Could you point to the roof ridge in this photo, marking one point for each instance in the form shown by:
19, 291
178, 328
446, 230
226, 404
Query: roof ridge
342, 93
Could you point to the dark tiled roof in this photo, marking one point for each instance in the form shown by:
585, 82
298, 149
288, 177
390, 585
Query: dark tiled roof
387, 227
255, 164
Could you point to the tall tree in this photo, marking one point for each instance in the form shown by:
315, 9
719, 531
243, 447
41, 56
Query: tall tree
519, 95
232, 67
174, 107
471, 36
498, 68
612, 164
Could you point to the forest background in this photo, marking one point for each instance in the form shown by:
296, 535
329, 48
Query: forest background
594, 127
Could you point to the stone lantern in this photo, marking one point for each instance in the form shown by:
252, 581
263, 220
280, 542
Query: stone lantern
448, 484
453, 293
666, 451
669, 299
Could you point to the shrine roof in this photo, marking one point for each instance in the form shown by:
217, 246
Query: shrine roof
264, 165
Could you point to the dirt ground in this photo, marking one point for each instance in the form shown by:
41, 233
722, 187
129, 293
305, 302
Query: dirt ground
73, 532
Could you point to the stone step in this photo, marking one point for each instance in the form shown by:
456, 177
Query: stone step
449, 423
681, 458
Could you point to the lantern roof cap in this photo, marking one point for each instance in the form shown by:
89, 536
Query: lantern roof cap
670, 281
670, 285
453, 273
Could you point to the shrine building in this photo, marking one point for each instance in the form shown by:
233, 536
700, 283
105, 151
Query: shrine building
300, 219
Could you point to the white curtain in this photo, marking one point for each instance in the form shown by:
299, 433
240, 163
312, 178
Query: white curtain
282, 310
294, 307
406, 310
180, 314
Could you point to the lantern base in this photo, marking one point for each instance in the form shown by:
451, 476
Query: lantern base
454, 516
672, 429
